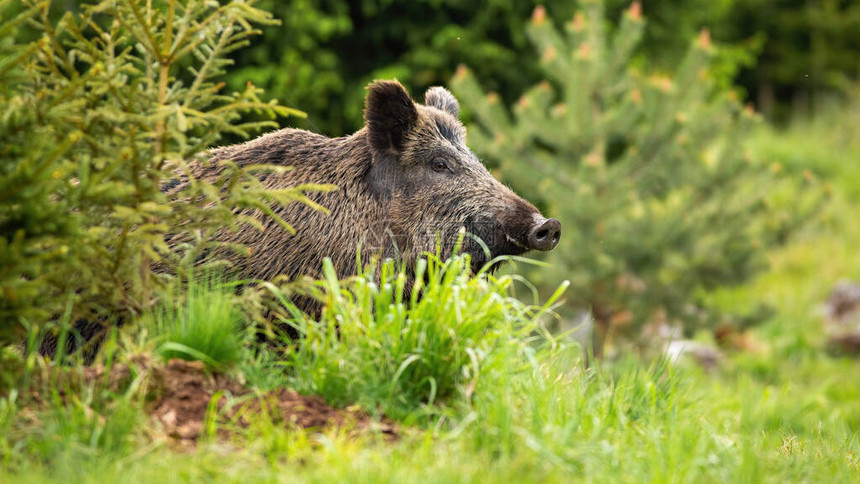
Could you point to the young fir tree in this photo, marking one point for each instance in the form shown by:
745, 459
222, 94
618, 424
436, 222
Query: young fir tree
647, 173
95, 115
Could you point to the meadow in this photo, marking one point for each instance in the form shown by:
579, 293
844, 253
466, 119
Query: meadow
477, 389
671, 190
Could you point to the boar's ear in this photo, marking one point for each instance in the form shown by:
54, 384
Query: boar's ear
390, 114
440, 98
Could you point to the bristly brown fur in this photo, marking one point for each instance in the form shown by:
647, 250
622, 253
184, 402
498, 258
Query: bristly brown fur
404, 181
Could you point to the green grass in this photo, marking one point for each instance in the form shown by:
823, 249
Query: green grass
372, 348
203, 323
556, 424
484, 394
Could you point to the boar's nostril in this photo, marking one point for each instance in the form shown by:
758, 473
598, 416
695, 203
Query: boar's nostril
545, 234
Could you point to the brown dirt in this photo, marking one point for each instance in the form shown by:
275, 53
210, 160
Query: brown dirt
182, 392
845, 344
842, 319
186, 393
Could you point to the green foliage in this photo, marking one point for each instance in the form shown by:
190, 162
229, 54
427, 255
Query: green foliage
803, 274
780, 52
202, 323
377, 347
808, 50
824, 146
327, 52
98, 112
646, 171
783, 53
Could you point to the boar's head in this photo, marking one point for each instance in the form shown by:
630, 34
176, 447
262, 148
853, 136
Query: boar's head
434, 186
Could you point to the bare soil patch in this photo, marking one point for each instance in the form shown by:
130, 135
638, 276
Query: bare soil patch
182, 395
187, 393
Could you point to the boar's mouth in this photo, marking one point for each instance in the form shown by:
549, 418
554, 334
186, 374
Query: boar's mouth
486, 240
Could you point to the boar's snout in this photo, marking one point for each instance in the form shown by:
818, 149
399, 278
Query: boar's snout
544, 234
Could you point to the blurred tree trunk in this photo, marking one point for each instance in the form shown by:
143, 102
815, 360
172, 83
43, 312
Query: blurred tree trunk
765, 96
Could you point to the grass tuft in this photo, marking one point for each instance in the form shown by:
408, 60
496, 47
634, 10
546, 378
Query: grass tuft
402, 349
204, 324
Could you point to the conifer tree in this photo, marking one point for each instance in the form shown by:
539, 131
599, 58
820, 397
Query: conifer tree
647, 172
96, 114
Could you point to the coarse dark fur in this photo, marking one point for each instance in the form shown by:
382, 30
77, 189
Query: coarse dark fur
405, 181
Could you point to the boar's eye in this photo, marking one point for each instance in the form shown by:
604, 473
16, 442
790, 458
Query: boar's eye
439, 165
